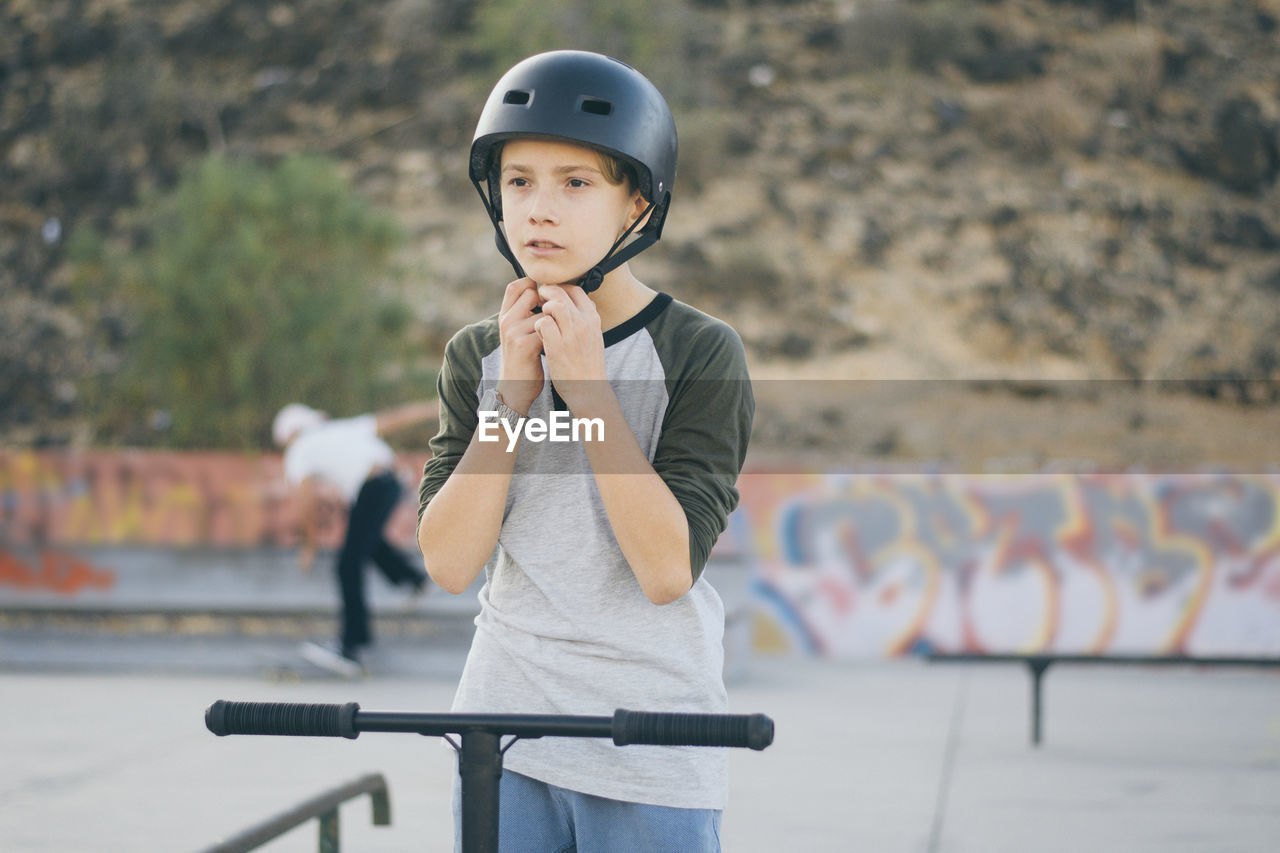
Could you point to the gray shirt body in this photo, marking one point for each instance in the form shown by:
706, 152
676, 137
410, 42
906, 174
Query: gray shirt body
564, 627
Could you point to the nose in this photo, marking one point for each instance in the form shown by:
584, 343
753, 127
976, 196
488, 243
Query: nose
542, 207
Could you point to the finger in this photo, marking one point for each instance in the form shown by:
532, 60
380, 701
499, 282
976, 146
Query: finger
549, 331
527, 302
516, 327
556, 300
578, 296
523, 343
519, 330
514, 290
557, 306
519, 312
574, 309
550, 292
585, 306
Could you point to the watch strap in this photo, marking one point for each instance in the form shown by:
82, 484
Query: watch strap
491, 401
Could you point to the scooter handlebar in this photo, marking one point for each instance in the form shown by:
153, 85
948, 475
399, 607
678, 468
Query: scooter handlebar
742, 730
754, 731
282, 718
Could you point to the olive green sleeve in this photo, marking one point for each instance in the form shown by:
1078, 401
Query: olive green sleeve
706, 429
458, 386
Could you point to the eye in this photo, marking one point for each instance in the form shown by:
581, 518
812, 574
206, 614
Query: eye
578, 183
518, 182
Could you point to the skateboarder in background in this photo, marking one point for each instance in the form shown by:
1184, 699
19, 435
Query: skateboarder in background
349, 455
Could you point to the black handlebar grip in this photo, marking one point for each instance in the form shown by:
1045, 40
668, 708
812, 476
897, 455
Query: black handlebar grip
281, 718
749, 730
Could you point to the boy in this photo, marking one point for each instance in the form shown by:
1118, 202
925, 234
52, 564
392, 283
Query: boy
592, 548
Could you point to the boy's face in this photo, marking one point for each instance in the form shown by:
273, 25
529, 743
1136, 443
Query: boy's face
561, 214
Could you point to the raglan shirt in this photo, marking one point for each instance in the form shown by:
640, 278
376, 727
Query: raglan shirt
564, 627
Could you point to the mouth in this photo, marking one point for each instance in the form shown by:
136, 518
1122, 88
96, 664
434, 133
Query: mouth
539, 247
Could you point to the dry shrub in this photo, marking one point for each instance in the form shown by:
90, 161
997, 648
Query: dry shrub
1121, 67
1036, 120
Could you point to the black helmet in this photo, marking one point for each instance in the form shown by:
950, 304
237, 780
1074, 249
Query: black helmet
592, 100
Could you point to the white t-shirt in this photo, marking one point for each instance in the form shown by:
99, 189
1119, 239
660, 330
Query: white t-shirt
341, 452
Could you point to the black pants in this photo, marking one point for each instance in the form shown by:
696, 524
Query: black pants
369, 514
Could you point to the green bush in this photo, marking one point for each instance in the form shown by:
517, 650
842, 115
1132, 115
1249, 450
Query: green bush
250, 287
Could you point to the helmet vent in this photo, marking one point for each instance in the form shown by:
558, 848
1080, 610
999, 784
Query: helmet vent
595, 106
517, 97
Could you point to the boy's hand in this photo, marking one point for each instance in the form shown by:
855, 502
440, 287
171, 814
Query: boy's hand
569, 330
521, 379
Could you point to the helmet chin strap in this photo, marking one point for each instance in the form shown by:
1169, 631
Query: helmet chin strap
616, 257
499, 236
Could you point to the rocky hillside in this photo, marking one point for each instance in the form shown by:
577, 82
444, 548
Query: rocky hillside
1031, 190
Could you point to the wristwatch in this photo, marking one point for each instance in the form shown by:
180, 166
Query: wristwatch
491, 401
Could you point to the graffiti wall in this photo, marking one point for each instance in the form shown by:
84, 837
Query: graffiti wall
869, 566
52, 504
863, 565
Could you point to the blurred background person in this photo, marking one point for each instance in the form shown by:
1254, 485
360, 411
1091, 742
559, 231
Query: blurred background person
348, 455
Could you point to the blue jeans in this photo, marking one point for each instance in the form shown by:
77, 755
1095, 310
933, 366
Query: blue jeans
539, 818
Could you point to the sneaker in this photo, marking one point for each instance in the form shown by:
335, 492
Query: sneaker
335, 659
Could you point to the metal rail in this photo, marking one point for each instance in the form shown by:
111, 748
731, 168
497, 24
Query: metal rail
323, 807
1038, 664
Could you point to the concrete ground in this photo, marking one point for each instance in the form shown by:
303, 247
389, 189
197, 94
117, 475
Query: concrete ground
899, 757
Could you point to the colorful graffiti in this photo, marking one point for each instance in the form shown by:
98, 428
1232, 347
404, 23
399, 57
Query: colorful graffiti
884, 565
52, 503
56, 571
855, 565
